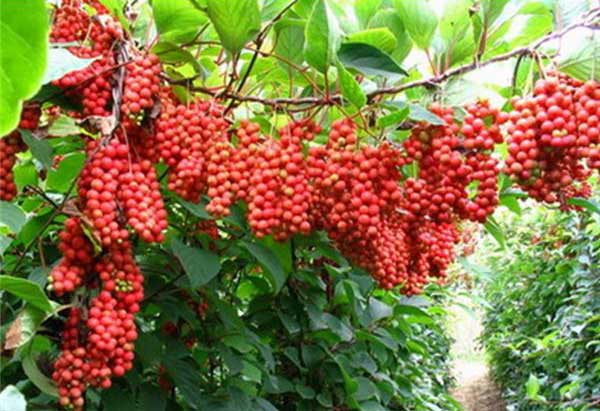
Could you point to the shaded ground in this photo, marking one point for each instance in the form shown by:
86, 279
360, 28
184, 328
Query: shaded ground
475, 389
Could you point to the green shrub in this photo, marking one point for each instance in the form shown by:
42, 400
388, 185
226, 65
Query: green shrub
542, 329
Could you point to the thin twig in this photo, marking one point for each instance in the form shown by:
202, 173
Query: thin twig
530, 50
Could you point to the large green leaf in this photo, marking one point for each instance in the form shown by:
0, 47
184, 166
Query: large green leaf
582, 60
177, 21
12, 216
350, 88
11, 398
200, 265
24, 327
60, 62
390, 19
585, 203
117, 9
365, 10
567, 12
380, 37
455, 22
23, 56
536, 21
236, 22
321, 37
60, 178
186, 377
151, 398
290, 39
369, 60
40, 148
419, 20
270, 263
33, 372
26, 290
492, 227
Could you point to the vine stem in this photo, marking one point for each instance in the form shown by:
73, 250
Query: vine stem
260, 38
435, 80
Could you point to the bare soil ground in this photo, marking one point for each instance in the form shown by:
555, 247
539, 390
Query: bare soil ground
475, 389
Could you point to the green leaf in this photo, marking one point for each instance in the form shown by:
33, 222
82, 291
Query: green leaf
187, 378
567, 12
371, 406
289, 41
177, 20
537, 21
12, 216
390, 19
270, 263
455, 22
116, 7
321, 37
582, 60
533, 387
117, 398
26, 290
369, 60
491, 10
23, 56
350, 88
381, 38
585, 203
419, 20
420, 113
61, 178
305, 391
199, 210
24, 327
11, 398
492, 227
31, 369
511, 202
393, 118
236, 22
25, 173
61, 61
63, 126
151, 398
365, 10
200, 265
40, 148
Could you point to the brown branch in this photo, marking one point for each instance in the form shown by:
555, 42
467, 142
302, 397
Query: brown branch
586, 22
260, 38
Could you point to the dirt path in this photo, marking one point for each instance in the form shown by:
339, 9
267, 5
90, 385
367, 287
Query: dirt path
475, 389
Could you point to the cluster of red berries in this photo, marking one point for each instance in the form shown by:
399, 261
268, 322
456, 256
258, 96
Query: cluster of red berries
95, 37
451, 159
142, 84
279, 195
10, 146
185, 136
78, 254
139, 194
550, 133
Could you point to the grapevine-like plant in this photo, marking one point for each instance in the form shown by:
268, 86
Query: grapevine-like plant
154, 136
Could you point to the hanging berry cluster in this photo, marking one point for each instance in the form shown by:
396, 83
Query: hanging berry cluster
117, 189
553, 139
10, 146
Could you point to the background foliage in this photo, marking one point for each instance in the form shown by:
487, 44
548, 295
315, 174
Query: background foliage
544, 297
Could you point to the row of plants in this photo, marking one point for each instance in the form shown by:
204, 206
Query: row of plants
328, 340
542, 328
